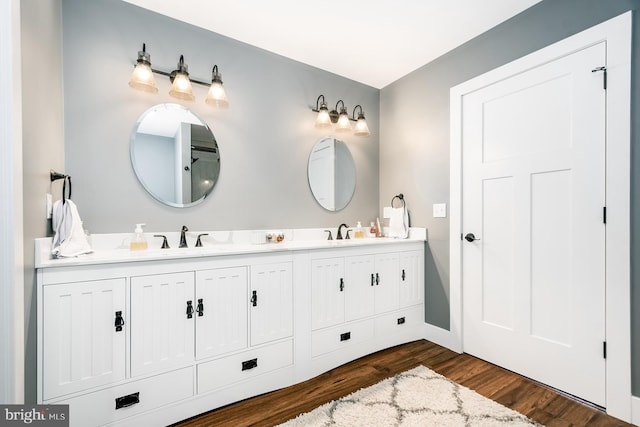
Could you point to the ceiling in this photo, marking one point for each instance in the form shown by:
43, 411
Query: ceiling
374, 42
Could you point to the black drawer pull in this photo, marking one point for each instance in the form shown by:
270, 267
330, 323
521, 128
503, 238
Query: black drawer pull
373, 279
377, 279
401, 320
250, 364
341, 284
345, 337
404, 275
129, 400
119, 321
254, 298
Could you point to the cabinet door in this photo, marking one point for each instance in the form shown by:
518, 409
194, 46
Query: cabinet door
161, 329
327, 292
81, 346
221, 325
387, 278
411, 278
359, 287
271, 302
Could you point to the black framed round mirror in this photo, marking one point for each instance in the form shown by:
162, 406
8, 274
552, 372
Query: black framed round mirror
174, 155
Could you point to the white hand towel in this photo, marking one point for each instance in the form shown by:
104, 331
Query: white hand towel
398, 222
69, 240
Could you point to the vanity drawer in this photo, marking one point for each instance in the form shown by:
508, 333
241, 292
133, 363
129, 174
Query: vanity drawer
228, 370
395, 328
337, 337
99, 408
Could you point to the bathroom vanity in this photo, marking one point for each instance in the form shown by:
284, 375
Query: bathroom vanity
155, 337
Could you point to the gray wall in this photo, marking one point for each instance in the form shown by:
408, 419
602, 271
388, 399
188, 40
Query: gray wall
414, 130
43, 144
265, 136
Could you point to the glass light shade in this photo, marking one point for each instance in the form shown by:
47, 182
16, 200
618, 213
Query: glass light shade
343, 124
323, 120
142, 78
361, 128
217, 96
181, 87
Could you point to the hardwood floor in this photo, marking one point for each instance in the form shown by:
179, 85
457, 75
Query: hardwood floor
538, 402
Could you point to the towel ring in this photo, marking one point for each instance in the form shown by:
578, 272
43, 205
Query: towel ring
56, 176
399, 197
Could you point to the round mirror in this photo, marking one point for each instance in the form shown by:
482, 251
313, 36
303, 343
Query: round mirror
332, 174
175, 155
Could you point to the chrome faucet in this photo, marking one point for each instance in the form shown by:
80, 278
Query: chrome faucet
339, 236
183, 238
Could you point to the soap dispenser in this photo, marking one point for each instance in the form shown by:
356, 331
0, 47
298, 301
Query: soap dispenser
138, 241
359, 231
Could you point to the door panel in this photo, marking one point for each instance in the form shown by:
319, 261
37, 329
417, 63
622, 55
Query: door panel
533, 157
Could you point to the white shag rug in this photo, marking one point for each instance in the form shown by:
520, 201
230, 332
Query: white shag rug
419, 397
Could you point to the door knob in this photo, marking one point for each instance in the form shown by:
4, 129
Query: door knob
470, 237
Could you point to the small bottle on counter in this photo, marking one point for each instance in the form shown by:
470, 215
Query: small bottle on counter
138, 241
359, 231
372, 230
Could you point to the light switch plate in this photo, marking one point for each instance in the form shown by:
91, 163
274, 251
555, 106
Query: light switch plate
49, 204
439, 210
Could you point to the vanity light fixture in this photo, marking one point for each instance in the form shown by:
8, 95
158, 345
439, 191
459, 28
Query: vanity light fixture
340, 118
181, 84
362, 129
323, 120
343, 124
142, 77
217, 96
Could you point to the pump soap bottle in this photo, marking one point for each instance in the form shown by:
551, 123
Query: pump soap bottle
138, 241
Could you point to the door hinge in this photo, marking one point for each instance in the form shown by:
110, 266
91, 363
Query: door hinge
604, 349
604, 214
604, 75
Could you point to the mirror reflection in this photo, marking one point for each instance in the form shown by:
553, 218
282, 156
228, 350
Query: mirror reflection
332, 174
174, 155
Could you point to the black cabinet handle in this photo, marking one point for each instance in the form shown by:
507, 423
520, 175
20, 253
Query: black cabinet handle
254, 298
403, 275
200, 308
128, 400
341, 284
373, 279
250, 364
401, 320
377, 279
345, 337
119, 323
189, 309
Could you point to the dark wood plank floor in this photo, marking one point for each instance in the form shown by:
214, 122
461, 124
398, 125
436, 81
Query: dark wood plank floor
538, 402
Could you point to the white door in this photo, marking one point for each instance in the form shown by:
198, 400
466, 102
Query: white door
162, 333
533, 196
221, 311
271, 302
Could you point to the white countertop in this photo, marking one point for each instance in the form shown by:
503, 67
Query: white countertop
114, 248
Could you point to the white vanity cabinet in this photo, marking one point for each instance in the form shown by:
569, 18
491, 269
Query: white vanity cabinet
83, 336
367, 300
151, 339
161, 330
221, 311
271, 302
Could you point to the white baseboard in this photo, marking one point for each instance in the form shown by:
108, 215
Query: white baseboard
442, 337
635, 410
